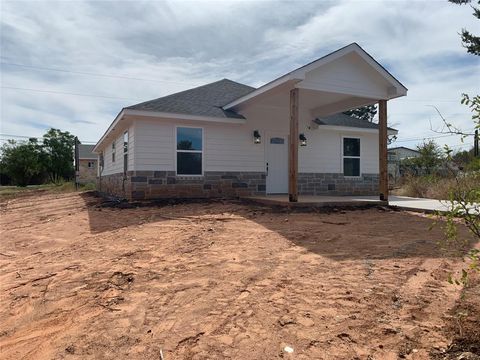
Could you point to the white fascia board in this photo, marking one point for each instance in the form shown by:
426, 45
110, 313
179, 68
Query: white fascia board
166, 115
354, 129
299, 74
377, 66
354, 47
267, 87
110, 128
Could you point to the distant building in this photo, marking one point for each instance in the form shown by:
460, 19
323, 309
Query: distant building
401, 153
395, 156
87, 164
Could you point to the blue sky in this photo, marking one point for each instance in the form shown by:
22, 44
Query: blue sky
54, 54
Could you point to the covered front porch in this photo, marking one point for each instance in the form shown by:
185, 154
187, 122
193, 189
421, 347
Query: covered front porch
343, 80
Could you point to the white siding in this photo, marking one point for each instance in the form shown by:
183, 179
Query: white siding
154, 148
131, 147
117, 166
226, 147
324, 151
230, 147
350, 73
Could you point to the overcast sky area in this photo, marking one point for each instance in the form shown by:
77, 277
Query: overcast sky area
73, 65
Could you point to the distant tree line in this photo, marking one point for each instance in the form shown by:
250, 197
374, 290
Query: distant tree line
432, 160
31, 162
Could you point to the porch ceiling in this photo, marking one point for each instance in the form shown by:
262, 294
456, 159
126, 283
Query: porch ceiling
340, 81
318, 103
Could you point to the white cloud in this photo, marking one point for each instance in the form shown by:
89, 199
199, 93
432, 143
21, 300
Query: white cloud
184, 44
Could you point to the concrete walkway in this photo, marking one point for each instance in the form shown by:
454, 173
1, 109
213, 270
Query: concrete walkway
418, 204
401, 202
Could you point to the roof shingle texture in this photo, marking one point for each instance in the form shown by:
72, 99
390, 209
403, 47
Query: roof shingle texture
206, 100
85, 152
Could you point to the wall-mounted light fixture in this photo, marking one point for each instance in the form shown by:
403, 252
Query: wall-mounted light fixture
257, 139
303, 140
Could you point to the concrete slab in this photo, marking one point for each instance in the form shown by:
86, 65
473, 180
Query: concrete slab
317, 201
400, 202
418, 204
426, 205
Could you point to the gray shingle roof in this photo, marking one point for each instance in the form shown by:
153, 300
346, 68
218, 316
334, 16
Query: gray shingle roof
206, 100
85, 152
341, 119
403, 147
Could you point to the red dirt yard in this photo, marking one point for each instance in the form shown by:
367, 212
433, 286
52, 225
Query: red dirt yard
218, 280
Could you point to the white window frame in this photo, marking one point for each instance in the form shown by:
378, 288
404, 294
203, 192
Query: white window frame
91, 162
189, 151
123, 141
351, 157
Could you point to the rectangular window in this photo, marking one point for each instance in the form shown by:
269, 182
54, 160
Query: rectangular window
351, 157
91, 164
125, 152
189, 148
113, 151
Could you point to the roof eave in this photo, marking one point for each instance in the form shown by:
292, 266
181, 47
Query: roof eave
107, 132
390, 131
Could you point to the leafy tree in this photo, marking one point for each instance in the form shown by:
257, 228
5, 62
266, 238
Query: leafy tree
22, 161
469, 41
58, 148
466, 160
429, 160
366, 113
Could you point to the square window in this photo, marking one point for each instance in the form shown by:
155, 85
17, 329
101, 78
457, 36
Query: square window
351, 166
189, 138
189, 163
351, 147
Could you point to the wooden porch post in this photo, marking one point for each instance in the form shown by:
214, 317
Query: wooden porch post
293, 148
382, 151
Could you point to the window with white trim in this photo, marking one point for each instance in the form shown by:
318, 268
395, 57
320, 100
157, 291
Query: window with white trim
351, 156
91, 164
189, 151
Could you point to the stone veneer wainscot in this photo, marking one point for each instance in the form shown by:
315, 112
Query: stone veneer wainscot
139, 185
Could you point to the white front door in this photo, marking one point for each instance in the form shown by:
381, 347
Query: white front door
277, 163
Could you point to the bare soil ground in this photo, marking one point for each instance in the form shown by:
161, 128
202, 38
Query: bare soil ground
221, 280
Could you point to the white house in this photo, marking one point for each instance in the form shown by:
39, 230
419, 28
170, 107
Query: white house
230, 139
